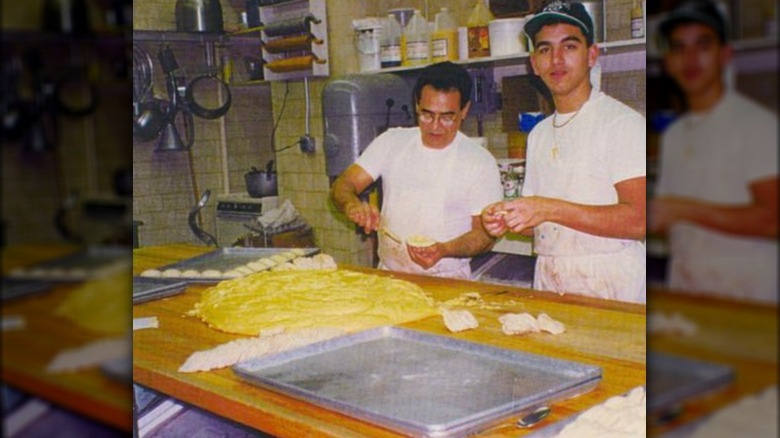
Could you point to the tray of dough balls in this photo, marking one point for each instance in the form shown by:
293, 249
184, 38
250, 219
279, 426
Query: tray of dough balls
86, 264
227, 263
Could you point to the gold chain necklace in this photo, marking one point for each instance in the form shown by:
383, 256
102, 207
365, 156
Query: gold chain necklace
555, 150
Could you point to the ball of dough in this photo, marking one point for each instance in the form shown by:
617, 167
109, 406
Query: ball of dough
268, 262
298, 251
244, 270
151, 273
171, 273
191, 273
211, 273
419, 241
232, 274
278, 258
256, 266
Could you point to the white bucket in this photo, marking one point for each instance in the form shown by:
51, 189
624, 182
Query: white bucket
507, 36
367, 42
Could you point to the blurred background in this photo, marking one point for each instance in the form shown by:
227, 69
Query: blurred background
713, 350
66, 218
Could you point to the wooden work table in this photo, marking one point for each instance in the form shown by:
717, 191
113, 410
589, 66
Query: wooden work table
608, 334
27, 352
734, 333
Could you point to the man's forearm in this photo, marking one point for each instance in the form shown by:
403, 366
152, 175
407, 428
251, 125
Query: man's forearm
745, 221
343, 194
469, 244
615, 221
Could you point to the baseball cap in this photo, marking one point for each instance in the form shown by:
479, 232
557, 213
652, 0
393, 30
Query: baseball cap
695, 11
561, 11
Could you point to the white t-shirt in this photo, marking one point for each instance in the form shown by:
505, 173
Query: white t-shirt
431, 192
581, 162
714, 157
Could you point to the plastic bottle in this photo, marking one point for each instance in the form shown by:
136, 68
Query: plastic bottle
390, 54
444, 40
418, 41
479, 36
637, 21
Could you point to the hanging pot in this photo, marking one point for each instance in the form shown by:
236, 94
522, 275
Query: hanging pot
199, 16
262, 183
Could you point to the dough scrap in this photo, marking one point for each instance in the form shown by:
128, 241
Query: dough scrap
239, 350
549, 325
518, 323
521, 323
674, 324
619, 416
459, 320
311, 298
754, 416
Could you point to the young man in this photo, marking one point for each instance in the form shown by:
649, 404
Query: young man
584, 191
435, 182
717, 189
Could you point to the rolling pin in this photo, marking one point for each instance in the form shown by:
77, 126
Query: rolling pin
292, 64
289, 44
291, 26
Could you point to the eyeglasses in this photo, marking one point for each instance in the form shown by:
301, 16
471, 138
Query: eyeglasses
445, 119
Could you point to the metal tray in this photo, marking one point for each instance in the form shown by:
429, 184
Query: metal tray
83, 265
16, 287
225, 259
148, 289
419, 384
673, 380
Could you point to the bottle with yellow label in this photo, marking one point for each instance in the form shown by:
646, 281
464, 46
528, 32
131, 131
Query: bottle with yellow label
478, 32
444, 40
417, 41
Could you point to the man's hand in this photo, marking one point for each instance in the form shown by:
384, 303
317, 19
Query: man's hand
493, 219
364, 215
426, 256
527, 212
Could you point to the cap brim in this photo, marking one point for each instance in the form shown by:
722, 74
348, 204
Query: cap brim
538, 21
679, 16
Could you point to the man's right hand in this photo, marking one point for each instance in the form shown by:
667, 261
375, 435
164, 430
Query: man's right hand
364, 215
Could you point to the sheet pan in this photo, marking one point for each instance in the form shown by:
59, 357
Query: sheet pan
225, 259
420, 384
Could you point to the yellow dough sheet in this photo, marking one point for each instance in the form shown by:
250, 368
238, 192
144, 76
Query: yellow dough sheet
349, 300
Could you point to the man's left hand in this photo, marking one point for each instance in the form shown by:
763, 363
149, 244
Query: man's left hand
426, 256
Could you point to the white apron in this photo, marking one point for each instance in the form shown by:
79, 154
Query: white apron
421, 212
619, 275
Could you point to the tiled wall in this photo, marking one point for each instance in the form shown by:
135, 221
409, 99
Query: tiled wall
302, 178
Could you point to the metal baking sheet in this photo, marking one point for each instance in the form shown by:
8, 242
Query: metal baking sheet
672, 380
148, 289
86, 264
225, 259
420, 384
16, 287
